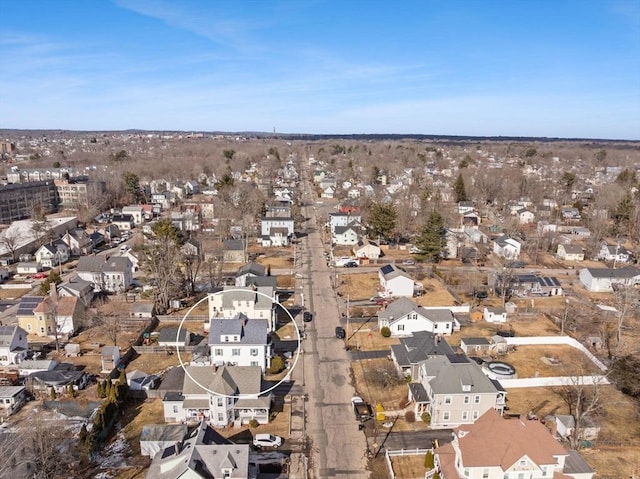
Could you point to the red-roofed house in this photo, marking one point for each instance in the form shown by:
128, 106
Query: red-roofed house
498, 448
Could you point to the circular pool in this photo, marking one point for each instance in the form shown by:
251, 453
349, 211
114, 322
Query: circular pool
499, 370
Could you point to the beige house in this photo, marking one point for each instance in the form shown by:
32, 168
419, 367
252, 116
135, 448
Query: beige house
569, 252
498, 448
53, 316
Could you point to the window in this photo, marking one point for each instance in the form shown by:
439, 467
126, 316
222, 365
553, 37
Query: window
29, 327
466, 472
400, 327
220, 417
467, 399
175, 409
476, 399
475, 415
235, 352
521, 475
220, 402
447, 399
465, 415
485, 474
254, 351
235, 338
446, 415
254, 363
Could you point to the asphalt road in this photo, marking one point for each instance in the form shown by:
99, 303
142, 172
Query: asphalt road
337, 448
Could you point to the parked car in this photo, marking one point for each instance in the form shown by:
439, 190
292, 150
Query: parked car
267, 440
39, 275
340, 332
481, 295
408, 262
307, 317
362, 410
351, 264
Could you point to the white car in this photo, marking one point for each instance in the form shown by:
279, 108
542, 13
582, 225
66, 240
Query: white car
267, 440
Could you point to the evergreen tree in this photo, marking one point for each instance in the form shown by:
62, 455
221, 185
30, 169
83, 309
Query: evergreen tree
99, 390
52, 393
382, 220
459, 189
623, 214
432, 238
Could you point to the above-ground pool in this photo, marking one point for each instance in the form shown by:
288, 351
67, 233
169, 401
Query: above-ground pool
499, 370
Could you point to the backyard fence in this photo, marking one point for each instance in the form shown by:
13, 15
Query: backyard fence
388, 454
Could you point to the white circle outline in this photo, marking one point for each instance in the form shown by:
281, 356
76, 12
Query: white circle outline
239, 396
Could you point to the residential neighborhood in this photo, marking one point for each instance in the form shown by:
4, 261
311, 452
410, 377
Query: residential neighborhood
229, 322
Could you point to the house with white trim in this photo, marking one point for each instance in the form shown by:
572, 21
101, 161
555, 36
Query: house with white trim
52, 254
495, 447
240, 341
346, 235
453, 390
403, 317
254, 302
615, 253
494, 315
395, 281
599, 280
569, 252
506, 247
13, 345
367, 249
227, 395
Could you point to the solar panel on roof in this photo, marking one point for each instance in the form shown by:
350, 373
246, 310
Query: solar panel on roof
28, 304
386, 269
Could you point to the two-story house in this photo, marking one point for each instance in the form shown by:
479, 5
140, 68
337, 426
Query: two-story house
111, 274
254, 302
277, 229
403, 317
54, 316
52, 254
495, 447
229, 394
605, 279
453, 390
569, 252
416, 348
346, 235
136, 212
240, 341
13, 345
343, 219
78, 241
506, 247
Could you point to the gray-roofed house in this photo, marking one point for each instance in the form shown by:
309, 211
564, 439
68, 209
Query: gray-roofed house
204, 454
604, 279
346, 235
254, 302
249, 270
12, 398
59, 379
78, 287
110, 274
155, 438
453, 390
395, 281
569, 252
403, 317
233, 394
52, 254
13, 345
240, 341
110, 358
416, 348
235, 251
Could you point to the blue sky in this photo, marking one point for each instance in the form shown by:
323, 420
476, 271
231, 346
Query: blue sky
555, 68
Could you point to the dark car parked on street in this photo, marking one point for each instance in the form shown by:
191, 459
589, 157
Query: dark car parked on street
307, 317
340, 332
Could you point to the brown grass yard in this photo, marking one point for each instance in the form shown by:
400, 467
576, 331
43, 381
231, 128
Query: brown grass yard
408, 467
357, 286
617, 449
14, 293
532, 361
378, 382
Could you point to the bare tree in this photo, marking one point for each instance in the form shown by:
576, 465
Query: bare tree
11, 240
110, 325
44, 450
584, 401
626, 301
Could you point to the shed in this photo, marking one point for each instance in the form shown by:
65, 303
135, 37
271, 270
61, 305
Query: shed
110, 358
72, 350
474, 345
173, 338
142, 310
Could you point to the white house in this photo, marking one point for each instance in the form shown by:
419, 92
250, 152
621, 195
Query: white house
525, 216
228, 395
494, 315
254, 303
603, 279
13, 345
569, 252
345, 235
140, 381
267, 223
506, 247
12, 398
240, 341
366, 249
111, 274
403, 317
615, 253
136, 212
395, 281
123, 222
343, 219
52, 254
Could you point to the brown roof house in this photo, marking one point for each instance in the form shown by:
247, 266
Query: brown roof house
498, 448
